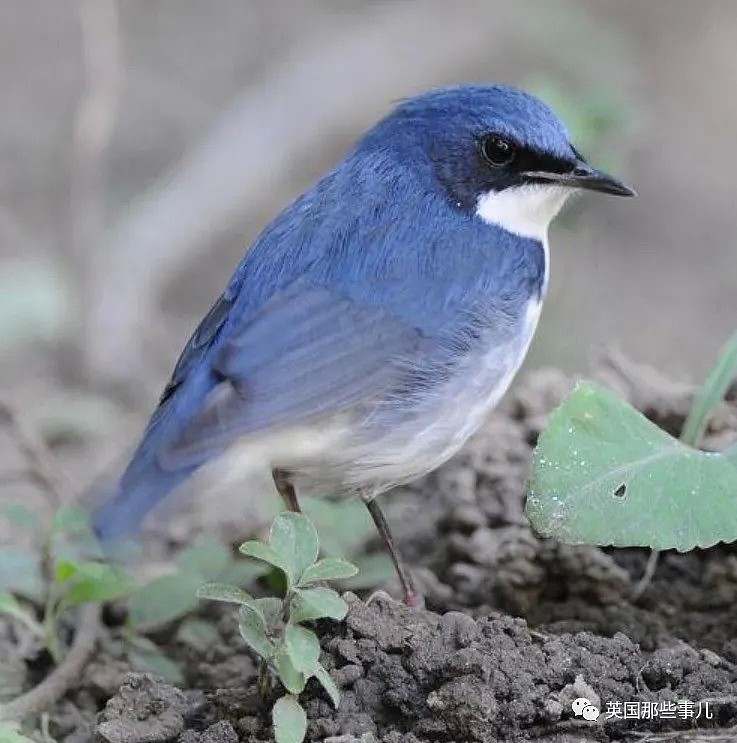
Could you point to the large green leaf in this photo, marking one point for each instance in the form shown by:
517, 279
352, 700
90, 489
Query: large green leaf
294, 537
164, 599
604, 474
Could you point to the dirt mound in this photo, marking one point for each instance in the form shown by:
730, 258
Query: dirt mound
419, 676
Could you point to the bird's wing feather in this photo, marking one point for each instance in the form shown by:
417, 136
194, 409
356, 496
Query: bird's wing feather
199, 343
307, 353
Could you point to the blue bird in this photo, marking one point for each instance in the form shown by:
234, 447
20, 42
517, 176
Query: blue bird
375, 323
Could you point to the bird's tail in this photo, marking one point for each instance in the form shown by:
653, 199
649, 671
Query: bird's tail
139, 490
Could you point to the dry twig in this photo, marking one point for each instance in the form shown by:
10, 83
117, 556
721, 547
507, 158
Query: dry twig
64, 676
42, 470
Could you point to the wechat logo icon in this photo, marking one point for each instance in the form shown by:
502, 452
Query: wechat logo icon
583, 708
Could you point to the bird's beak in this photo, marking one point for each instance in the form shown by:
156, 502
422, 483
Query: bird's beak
585, 177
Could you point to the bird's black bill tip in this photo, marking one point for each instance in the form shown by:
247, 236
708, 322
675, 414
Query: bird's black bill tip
596, 180
584, 177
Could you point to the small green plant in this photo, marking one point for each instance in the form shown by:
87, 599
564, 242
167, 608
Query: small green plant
604, 474
66, 570
274, 628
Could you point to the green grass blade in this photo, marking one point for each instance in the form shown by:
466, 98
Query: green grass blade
711, 393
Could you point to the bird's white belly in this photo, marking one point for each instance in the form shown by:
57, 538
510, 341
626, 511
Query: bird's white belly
452, 416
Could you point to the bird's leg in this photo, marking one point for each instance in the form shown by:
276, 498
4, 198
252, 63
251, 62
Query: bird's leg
411, 597
283, 483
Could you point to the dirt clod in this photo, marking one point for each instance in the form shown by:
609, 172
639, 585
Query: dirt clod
144, 710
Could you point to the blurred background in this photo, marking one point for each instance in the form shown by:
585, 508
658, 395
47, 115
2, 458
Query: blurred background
144, 143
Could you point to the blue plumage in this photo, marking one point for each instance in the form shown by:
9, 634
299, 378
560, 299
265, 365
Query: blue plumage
387, 308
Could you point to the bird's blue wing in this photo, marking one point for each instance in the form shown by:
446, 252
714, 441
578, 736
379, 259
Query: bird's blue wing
307, 353
199, 343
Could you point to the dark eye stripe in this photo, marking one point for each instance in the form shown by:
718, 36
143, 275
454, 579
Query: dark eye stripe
520, 159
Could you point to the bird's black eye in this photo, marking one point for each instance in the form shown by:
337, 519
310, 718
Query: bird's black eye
497, 150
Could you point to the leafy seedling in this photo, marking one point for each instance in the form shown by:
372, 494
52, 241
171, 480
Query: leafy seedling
604, 474
66, 571
274, 627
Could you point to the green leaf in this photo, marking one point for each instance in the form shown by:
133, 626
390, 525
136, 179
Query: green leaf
223, 592
294, 538
290, 720
329, 568
264, 553
95, 582
76, 546
328, 684
344, 526
20, 572
711, 393
292, 678
317, 603
373, 570
270, 608
604, 474
198, 634
21, 516
163, 600
65, 570
243, 573
71, 518
206, 557
303, 648
253, 631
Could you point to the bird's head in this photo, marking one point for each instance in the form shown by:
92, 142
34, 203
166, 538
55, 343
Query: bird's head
495, 151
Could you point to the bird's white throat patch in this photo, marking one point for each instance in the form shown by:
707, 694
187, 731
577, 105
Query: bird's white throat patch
526, 211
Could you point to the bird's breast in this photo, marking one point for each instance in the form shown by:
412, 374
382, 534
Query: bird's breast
437, 423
